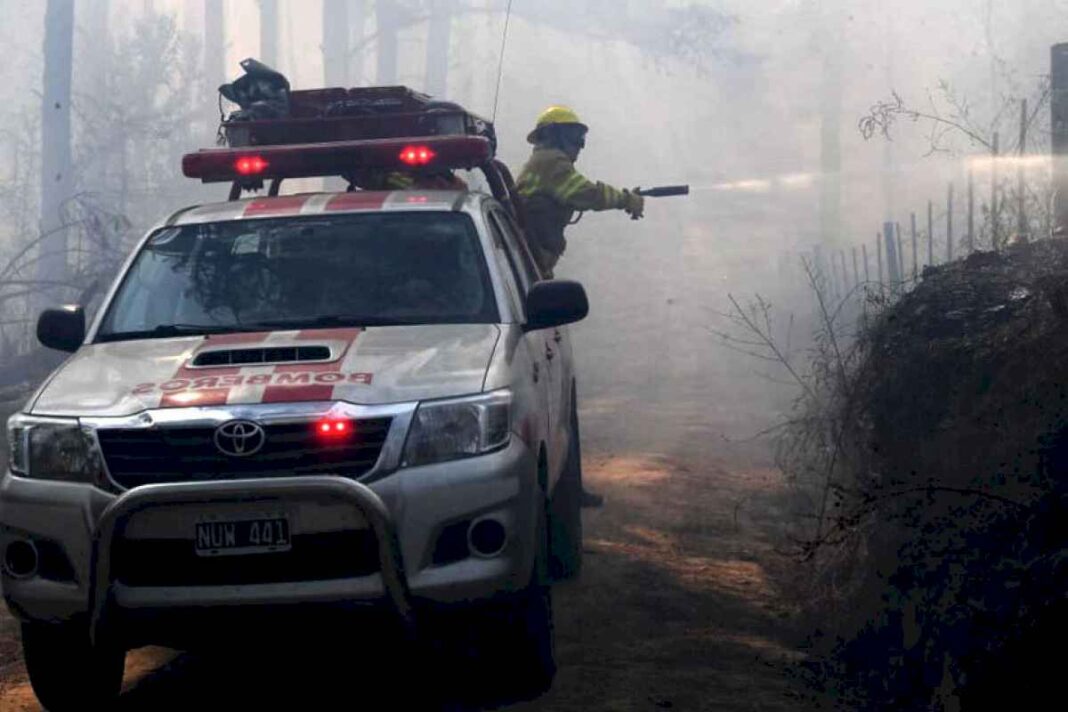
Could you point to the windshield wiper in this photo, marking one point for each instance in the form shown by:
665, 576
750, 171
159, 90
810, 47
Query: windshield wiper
166, 330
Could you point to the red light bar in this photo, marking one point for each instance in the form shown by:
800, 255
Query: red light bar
311, 160
417, 155
250, 165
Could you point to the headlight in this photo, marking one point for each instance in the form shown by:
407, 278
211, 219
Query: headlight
52, 449
448, 430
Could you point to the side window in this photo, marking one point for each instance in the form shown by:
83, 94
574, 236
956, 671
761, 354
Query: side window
517, 252
522, 248
512, 283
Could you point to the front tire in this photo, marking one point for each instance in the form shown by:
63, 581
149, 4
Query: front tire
66, 671
565, 516
516, 638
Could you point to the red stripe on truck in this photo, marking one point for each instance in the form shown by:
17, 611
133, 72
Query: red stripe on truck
283, 205
357, 200
199, 384
310, 381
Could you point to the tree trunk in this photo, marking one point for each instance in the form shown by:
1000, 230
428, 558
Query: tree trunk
94, 47
437, 46
214, 43
831, 126
357, 19
336, 43
269, 33
57, 180
387, 18
1059, 139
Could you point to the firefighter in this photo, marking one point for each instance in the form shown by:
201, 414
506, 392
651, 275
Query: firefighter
552, 190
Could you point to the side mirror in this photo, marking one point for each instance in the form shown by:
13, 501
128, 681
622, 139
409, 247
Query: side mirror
555, 302
62, 329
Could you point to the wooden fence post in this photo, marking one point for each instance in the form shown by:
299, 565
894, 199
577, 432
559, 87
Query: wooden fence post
900, 254
949, 224
915, 259
879, 254
930, 233
971, 211
1021, 205
995, 229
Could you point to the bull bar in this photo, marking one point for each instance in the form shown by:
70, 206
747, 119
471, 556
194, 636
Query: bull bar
336, 489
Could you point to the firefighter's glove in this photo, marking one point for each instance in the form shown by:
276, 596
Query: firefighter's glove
633, 204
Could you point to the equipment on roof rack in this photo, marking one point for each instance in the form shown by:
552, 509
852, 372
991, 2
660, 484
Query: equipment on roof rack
263, 93
271, 114
279, 133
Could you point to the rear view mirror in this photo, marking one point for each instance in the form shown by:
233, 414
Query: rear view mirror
555, 302
62, 329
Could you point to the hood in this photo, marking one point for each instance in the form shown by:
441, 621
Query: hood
366, 366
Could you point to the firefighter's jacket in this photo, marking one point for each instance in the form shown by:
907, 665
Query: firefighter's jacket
552, 190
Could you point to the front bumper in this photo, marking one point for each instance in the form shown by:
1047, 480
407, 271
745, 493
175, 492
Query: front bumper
406, 510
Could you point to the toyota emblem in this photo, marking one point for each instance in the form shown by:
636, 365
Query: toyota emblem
240, 438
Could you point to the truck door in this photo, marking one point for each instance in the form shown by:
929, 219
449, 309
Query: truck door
551, 342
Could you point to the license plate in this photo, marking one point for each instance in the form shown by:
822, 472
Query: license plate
247, 536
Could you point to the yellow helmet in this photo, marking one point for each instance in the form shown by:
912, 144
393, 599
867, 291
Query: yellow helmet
554, 115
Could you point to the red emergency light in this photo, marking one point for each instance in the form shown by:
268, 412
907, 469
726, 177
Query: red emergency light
332, 428
310, 160
417, 155
250, 165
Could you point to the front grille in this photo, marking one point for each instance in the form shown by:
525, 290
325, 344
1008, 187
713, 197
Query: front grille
313, 557
188, 454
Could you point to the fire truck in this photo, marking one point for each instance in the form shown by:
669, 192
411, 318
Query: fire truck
357, 403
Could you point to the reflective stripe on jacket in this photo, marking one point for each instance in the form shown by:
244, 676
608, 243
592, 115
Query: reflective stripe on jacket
552, 190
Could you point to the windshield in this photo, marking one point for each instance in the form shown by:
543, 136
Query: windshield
360, 270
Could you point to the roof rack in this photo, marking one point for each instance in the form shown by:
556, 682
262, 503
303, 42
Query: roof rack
344, 132
337, 114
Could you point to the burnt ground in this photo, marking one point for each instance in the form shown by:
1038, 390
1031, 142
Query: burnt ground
678, 606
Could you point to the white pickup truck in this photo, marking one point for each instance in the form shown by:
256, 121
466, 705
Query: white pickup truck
353, 400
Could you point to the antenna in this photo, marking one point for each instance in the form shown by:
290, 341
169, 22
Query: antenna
500, 60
